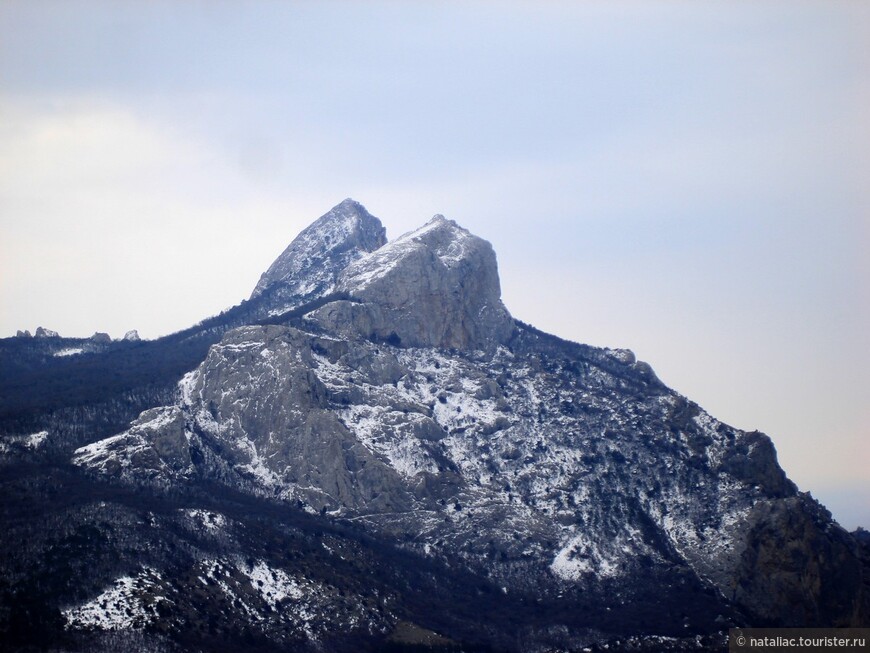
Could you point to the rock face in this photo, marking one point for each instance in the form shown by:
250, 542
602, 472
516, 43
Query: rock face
419, 410
132, 336
156, 442
285, 437
437, 286
310, 264
42, 332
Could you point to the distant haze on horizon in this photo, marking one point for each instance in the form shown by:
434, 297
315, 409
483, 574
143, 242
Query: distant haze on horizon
686, 180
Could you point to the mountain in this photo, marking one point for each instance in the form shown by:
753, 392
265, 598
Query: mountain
372, 454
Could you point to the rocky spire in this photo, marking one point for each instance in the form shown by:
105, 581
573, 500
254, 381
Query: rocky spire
312, 262
132, 336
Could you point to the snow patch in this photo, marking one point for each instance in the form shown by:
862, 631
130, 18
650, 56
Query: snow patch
211, 521
130, 602
35, 440
186, 385
274, 585
581, 555
70, 351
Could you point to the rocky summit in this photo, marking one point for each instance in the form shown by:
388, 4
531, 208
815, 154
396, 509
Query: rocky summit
437, 287
389, 461
310, 264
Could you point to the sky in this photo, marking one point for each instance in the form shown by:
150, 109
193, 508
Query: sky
687, 180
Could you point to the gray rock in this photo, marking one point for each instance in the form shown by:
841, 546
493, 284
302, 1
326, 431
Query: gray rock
155, 444
437, 286
792, 570
132, 336
258, 395
101, 337
23, 334
42, 332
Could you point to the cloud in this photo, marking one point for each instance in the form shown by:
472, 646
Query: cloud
110, 217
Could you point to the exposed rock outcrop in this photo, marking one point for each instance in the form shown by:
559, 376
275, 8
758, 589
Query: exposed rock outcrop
42, 332
258, 395
156, 444
437, 286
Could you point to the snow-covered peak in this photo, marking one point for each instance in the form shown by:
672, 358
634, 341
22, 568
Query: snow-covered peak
311, 263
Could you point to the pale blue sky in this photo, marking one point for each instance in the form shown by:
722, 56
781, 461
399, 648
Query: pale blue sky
688, 180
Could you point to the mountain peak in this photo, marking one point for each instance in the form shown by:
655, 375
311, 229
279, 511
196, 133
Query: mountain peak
436, 286
312, 262
350, 204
